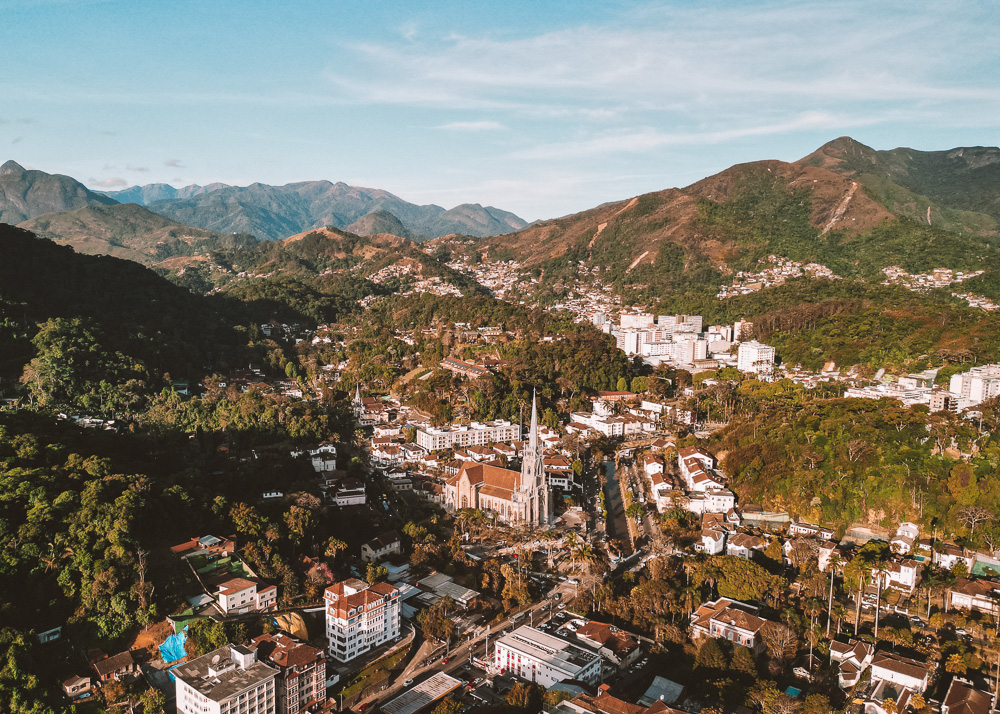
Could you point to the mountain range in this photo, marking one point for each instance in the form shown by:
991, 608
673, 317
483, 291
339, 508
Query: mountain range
847, 206
267, 212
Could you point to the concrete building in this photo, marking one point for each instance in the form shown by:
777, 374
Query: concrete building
434, 438
977, 385
301, 681
755, 358
228, 680
360, 618
539, 657
381, 546
240, 595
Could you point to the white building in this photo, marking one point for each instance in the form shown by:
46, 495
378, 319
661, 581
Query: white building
360, 618
755, 358
239, 595
977, 385
228, 680
475, 434
731, 620
537, 656
905, 672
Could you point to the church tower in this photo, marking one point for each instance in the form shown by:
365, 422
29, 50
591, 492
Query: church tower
534, 487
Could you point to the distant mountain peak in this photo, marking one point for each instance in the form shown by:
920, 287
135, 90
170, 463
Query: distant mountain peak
11, 167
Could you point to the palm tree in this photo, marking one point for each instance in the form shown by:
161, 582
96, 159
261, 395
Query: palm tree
881, 571
834, 565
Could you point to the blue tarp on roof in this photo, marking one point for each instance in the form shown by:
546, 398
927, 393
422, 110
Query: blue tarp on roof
172, 648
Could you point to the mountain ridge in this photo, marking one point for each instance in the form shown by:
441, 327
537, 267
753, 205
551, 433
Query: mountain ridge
26, 193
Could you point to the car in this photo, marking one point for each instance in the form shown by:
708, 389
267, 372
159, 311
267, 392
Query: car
557, 596
562, 606
446, 660
408, 683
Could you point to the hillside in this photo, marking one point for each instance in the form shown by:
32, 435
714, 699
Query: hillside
275, 212
129, 231
681, 244
956, 189
134, 315
25, 193
144, 195
378, 222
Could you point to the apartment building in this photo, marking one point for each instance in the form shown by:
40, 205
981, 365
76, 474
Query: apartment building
474, 434
240, 595
228, 680
755, 358
360, 618
301, 680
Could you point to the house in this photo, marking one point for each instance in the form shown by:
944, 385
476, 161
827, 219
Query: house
906, 536
301, 680
729, 620
854, 658
742, 545
948, 555
209, 546
77, 686
980, 595
604, 703
120, 666
466, 369
900, 573
237, 596
652, 464
711, 541
905, 672
614, 645
381, 546
963, 698
349, 492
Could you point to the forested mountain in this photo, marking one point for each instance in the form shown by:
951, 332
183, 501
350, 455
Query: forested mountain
116, 323
25, 193
954, 182
130, 231
276, 212
683, 243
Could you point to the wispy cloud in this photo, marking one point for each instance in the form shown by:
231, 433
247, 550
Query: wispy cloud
649, 138
174, 164
472, 126
113, 182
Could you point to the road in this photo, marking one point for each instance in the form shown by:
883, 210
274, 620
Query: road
617, 525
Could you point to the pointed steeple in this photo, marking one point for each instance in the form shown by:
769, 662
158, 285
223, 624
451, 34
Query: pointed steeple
357, 393
533, 431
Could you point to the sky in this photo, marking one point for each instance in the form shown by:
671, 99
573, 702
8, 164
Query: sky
543, 108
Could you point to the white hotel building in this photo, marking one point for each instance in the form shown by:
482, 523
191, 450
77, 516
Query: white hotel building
228, 680
537, 656
435, 438
360, 618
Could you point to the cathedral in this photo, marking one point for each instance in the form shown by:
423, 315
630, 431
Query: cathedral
516, 497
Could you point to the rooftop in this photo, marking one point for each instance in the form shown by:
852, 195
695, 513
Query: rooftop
553, 651
422, 695
216, 676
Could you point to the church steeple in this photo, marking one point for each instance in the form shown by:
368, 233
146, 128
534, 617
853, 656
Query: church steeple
534, 487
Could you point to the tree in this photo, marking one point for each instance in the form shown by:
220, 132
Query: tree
153, 701
622, 384
780, 640
448, 706
375, 573
972, 516
816, 704
334, 546
743, 661
526, 698
710, 655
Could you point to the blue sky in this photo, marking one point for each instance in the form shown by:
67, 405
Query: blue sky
540, 108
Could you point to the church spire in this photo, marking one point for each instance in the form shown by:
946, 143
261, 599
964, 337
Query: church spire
533, 432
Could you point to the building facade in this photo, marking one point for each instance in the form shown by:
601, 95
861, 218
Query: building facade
301, 680
360, 618
228, 680
475, 434
545, 659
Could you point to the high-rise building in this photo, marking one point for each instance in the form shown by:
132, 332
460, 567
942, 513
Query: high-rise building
755, 358
977, 385
360, 618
